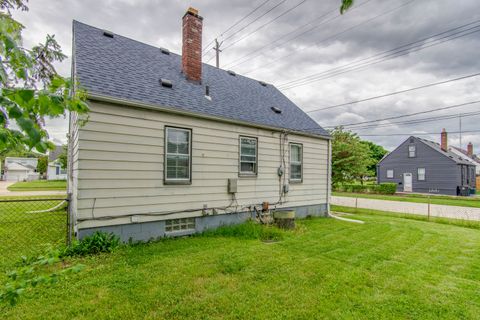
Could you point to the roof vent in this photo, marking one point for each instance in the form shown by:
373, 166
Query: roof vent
107, 33
263, 83
232, 73
166, 83
276, 110
165, 51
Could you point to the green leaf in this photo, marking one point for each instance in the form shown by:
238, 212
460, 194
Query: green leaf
26, 95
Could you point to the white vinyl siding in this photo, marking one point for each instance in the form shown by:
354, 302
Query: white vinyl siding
412, 150
120, 167
390, 173
296, 162
248, 155
421, 174
177, 154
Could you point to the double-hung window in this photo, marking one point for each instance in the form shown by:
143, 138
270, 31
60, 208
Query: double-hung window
411, 151
178, 156
248, 156
296, 162
421, 174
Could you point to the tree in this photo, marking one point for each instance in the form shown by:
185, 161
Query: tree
42, 164
350, 157
346, 4
376, 153
30, 88
62, 157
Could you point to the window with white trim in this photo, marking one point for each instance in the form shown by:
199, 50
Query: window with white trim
178, 156
248, 156
296, 162
390, 173
412, 150
180, 224
421, 174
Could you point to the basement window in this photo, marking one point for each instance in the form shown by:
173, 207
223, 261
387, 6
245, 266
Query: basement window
248, 156
178, 155
180, 224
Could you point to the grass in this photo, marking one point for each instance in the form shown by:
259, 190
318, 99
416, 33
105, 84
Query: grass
387, 268
39, 185
442, 200
23, 232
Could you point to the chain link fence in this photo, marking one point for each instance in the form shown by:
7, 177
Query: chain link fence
425, 209
29, 226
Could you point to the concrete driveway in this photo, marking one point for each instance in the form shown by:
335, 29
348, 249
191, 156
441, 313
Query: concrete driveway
5, 192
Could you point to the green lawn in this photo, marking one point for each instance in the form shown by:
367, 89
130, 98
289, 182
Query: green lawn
445, 200
25, 232
387, 268
39, 185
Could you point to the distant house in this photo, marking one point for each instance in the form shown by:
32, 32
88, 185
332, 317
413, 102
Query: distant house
173, 146
55, 170
20, 169
423, 166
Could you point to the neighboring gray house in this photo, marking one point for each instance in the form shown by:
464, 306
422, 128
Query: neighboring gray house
55, 170
423, 166
173, 146
20, 169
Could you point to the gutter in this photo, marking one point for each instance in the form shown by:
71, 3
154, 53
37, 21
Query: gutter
137, 104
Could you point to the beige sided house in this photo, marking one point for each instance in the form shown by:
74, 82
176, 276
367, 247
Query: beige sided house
173, 146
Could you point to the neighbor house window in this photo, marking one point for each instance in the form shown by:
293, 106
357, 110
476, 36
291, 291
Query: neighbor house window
411, 151
248, 156
421, 174
178, 157
180, 224
296, 160
390, 173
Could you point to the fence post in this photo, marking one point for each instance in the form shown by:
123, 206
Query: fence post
428, 216
69, 228
356, 205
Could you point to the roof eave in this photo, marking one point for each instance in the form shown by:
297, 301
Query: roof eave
174, 110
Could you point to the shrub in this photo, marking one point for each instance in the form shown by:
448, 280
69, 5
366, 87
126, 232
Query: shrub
382, 188
96, 243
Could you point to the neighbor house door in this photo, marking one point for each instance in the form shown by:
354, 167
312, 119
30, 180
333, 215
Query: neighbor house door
407, 182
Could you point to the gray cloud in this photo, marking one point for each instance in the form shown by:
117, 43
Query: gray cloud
159, 23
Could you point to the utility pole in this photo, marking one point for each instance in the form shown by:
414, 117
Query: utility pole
217, 52
460, 128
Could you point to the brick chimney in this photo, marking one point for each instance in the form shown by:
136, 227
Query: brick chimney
192, 45
444, 140
470, 150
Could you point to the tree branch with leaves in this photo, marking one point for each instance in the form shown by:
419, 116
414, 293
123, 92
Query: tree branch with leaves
31, 90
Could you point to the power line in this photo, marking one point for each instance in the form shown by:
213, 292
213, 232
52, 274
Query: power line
236, 23
334, 36
415, 134
258, 18
265, 24
414, 121
394, 93
409, 115
256, 52
419, 45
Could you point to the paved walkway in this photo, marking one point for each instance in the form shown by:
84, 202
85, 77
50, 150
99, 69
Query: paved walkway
452, 212
5, 192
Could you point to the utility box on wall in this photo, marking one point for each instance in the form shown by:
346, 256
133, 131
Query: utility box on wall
232, 185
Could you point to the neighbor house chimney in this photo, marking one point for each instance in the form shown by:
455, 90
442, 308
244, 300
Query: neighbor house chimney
444, 140
470, 150
192, 45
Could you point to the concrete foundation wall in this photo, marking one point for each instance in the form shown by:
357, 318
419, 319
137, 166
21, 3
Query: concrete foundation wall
156, 229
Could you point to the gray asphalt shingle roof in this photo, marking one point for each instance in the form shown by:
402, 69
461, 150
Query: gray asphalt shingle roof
123, 68
455, 157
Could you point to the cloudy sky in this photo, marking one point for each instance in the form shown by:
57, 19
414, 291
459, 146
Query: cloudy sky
292, 42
